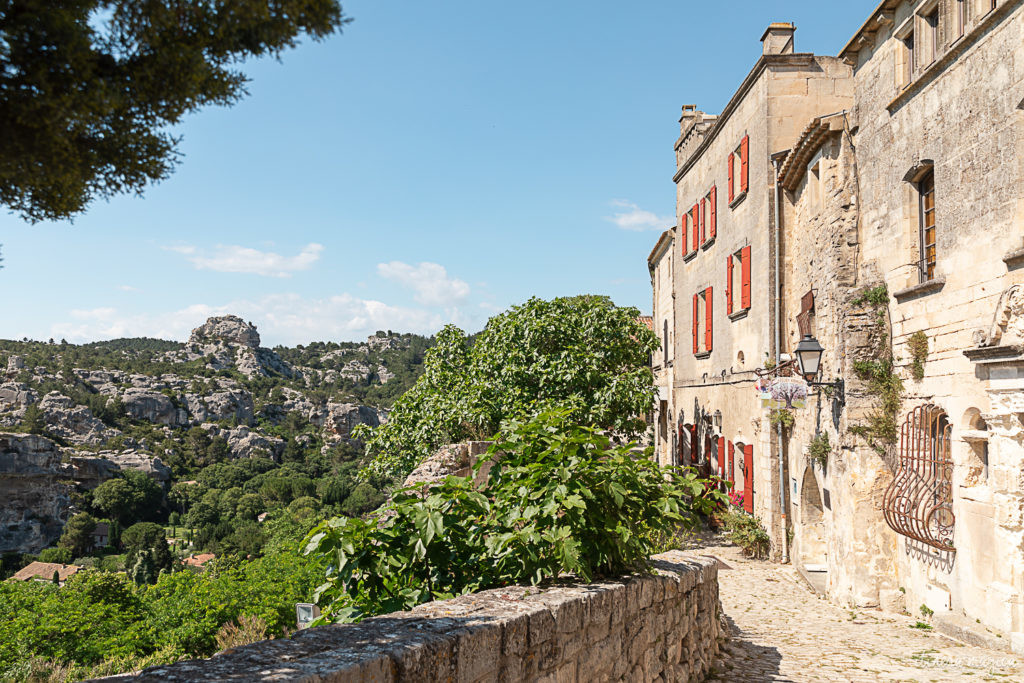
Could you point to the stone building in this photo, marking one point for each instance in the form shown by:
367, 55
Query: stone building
725, 315
660, 263
896, 185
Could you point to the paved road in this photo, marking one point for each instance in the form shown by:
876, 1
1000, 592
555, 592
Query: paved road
782, 632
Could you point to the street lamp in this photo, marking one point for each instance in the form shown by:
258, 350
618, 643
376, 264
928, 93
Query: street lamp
808, 356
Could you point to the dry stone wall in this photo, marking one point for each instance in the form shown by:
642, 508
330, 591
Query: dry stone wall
659, 627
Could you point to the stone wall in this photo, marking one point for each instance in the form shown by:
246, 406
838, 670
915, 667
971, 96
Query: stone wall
653, 627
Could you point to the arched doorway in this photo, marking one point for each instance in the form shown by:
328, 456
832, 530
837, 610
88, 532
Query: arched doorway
813, 552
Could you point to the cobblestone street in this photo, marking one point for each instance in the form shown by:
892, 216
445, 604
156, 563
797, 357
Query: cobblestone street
781, 631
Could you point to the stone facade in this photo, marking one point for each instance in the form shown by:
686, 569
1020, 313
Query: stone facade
726, 229
907, 174
660, 627
661, 263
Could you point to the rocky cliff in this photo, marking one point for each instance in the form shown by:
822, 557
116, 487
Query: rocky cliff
167, 408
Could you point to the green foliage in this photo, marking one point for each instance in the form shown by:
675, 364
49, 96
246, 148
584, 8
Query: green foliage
819, 449
77, 535
873, 296
875, 367
33, 421
58, 555
748, 533
926, 611
561, 498
782, 416
92, 88
146, 551
133, 495
918, 344
582, 352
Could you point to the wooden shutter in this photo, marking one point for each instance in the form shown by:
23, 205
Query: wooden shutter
713, 200
732, 186
696, 322
695, 215
708, 299
748, 478
744, 157
745, 266
703, 219
731, 472
728, 285
721, 456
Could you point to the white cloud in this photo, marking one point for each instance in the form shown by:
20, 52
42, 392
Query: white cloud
239, 259
635, 219
429, 281
280, 319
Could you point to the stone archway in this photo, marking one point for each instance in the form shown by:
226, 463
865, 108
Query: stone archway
813, 552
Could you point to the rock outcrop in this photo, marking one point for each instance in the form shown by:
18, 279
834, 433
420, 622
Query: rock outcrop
36, 492
16, 394
246, 443
341, 419
71, 422
226, 329
226, 404
152, 406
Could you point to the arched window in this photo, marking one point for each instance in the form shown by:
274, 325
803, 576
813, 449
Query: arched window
919, 502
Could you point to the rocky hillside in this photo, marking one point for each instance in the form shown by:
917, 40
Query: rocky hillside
75, 415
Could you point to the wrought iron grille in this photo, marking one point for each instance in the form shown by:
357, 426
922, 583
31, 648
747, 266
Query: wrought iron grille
919, 501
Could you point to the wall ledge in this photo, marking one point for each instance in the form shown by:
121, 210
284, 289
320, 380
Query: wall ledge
665, 623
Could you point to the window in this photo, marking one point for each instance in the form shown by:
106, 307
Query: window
930, 36
905, 54
708, 216
737, 167
695, 223
702, 316
926, 190
960, 19
737, 279
919, 502
664, 343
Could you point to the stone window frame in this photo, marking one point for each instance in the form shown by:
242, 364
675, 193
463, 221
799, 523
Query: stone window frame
701, 322
905, 53
925, 185
735, 172
927, 41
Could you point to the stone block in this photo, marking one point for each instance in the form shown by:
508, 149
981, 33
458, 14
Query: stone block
477, 651
542, 627
599, 658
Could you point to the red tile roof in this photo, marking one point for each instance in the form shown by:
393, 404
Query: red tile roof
199, 560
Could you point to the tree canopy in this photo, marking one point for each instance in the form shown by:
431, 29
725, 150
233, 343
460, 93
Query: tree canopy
580, 351
88, 89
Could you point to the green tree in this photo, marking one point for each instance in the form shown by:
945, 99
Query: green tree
128, 498
59, 555
77, 535
92, 88
34, 422
581, 352
146, 551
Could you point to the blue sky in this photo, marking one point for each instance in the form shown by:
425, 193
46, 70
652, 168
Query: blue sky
435, 163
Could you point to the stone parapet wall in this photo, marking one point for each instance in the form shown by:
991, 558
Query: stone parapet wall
658, 627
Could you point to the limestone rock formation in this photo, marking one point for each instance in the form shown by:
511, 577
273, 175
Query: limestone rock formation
36, 492
73, 422
152, 406
92, 469
228, 329
342, 418
234, 404
246, 443
16, 394
384, 375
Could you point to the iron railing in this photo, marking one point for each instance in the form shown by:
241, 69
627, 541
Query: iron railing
919, 502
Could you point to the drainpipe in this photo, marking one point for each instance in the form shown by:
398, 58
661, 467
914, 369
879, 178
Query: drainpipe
776, 161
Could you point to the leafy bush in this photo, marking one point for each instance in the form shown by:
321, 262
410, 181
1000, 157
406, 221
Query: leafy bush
918, 343
819, 449
579, 351
560, 498
782, 416
748, 533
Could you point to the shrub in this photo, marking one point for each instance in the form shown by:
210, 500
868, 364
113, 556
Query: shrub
561, 499
247, 630
747, 532
819, 449
918, 344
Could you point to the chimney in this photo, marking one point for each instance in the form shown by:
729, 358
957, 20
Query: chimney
686, 119
778, 38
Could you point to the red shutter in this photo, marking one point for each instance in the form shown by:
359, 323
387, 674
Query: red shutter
695, 213
732, 463
708, 299
745, 265
728, 285
696, 318
732, 185
744, 157
711, 207
703, 219
721, 456
748, 478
